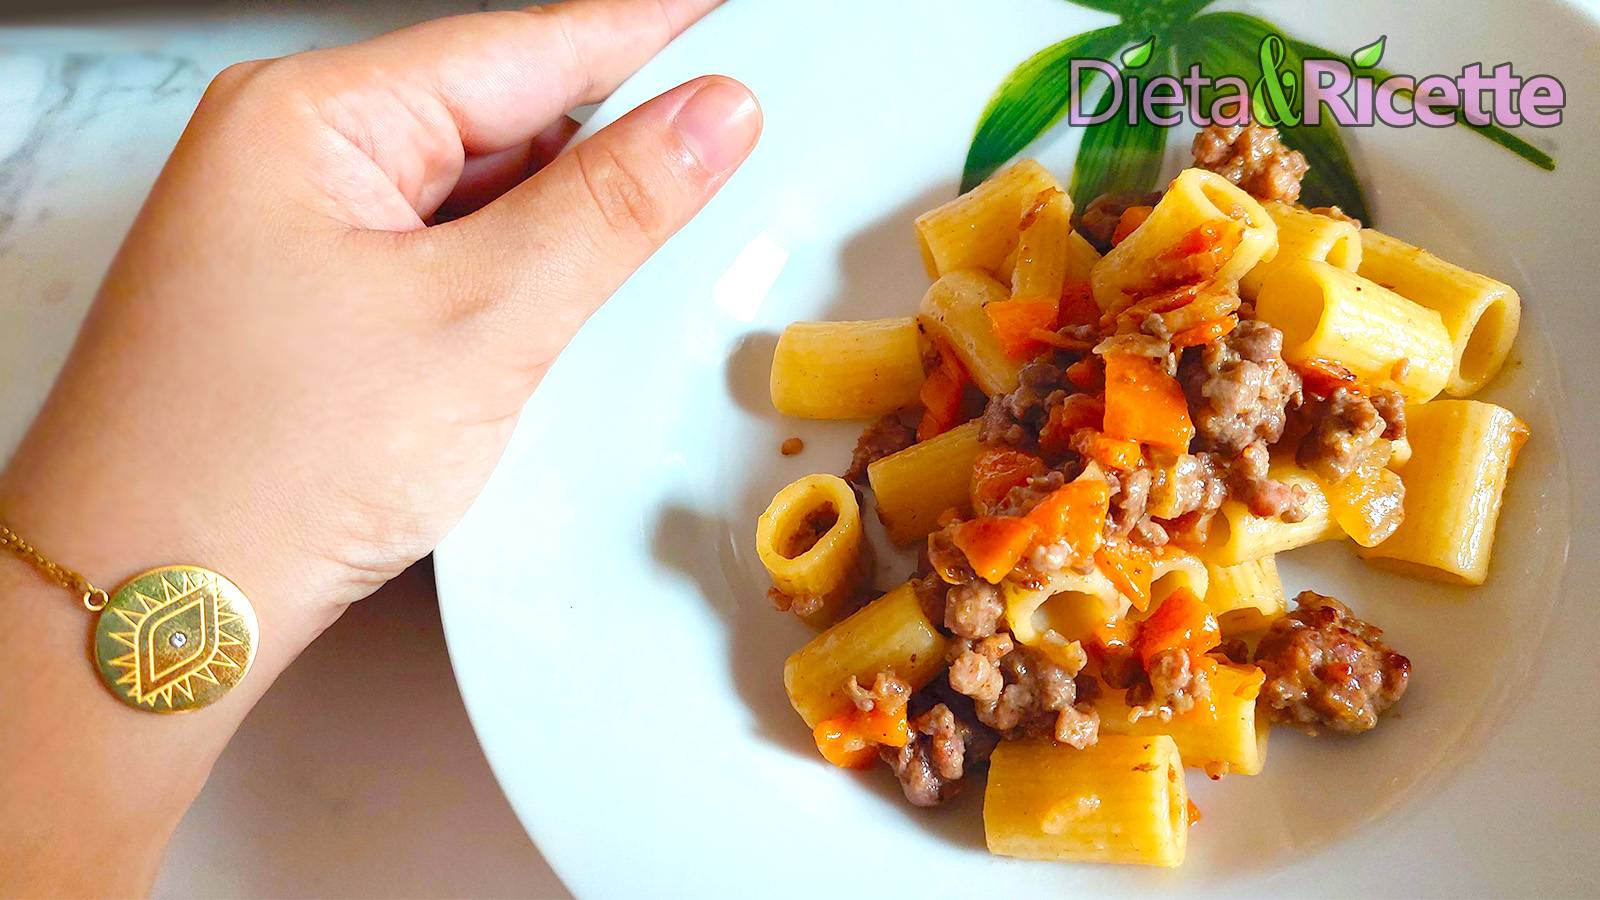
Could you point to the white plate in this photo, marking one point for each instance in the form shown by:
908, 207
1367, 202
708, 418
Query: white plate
606, 613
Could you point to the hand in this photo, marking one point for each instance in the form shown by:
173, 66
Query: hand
290, 377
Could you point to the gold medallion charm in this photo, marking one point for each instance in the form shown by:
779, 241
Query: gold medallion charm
174, 639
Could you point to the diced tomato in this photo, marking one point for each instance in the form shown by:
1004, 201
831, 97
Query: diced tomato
1075, 513
1181, 622
997, 471
993, 545
1014, 321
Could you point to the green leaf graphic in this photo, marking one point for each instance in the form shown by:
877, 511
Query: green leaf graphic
1370, 55
1115, 7
1136, 56
1116, 156
1229, 43
1031, 99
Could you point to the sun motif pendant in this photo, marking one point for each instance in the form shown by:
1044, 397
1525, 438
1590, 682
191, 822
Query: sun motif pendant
175, 638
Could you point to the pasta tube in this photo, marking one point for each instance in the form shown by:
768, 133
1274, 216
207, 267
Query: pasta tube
1226, 734
810, 541
1245, 596
1081, 257
1480, 314
890, 634
1066, 610
952, 309
1123, 800
1174, 570
978, 230
1462, 451
915, 486
1303, 234
847, 370
1041, 267
1196, 198
1380, 336
1237, 535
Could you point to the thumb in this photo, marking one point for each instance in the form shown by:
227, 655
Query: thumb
542, 257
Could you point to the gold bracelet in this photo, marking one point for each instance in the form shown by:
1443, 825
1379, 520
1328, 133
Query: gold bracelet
171, 639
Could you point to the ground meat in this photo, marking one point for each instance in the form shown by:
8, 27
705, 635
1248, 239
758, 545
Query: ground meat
791, 446
1130, 494
1253, 157
888, 692
1037, 696
1392, 407
973, 610
1235, 650
1024, 497
975, 667
1239, 388
1014, 419
946, 742
1250, 483
883, 437
802, 605
1327, 668
1191, 482
1344, 428
948, 562
1097, 222
1171, 687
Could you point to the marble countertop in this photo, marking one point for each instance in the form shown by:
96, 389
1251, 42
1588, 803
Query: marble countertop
358, 774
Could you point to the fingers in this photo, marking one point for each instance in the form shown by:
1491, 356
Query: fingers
484, 178
541, 258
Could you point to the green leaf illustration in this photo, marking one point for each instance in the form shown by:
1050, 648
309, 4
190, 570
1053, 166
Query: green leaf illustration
1229, 43
1031, 99
1116, 156
1115, 7
1370, 55
1136, 56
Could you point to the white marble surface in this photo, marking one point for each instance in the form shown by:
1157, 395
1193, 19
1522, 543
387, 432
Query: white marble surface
358, 775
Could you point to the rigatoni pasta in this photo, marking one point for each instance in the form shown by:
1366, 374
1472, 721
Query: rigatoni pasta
952, 311
1480, 314
1303, 234
979, 229
1224, 735
1462, 452
1326, 313
1123, 800
1238, 535
810, 541
1040, 270
920, 483
846, 370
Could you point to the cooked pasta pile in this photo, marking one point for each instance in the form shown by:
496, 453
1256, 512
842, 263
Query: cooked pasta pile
1099, 431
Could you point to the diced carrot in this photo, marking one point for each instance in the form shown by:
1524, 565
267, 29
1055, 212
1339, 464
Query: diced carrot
1321, 377
996, 472
841, 743
1113, 453
1077, 305
941, 394
885, 727
1075, 513
1131, 219
1076, 412
1087, 374
1144, 403
993, 545
1014, 321
1181, 622
1206, 332
1129, 569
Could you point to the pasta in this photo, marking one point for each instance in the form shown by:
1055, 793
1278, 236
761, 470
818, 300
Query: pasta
1462, 451
952, 311
846, 370
1224, 735
1480, 314
920, 483
1305, 235
979, 229
1120, 801
1195, 201
1237, 535
810, 541
1041, 264
890, 634
1245, 596
1097, 587
1326, 313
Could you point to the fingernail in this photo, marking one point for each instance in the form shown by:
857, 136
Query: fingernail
718, 123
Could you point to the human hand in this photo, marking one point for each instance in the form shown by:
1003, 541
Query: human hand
288, 376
